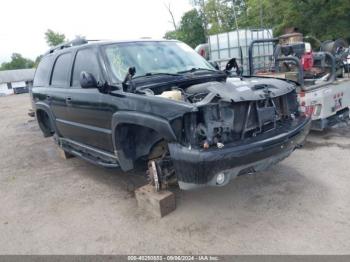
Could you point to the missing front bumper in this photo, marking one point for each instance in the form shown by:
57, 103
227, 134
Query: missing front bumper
197, 167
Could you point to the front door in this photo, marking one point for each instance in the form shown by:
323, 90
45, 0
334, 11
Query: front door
88, 121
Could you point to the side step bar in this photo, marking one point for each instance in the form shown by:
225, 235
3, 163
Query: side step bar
90, 154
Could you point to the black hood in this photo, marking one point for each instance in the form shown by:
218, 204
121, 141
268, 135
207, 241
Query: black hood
246, 89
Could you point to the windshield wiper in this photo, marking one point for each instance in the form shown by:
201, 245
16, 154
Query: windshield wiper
156, 74
196, 69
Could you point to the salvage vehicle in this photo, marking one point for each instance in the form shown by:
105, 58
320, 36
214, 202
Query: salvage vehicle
323, 90
159, 106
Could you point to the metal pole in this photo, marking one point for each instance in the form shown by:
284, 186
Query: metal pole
234, 13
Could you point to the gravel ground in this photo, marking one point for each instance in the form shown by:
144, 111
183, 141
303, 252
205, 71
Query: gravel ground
53, 206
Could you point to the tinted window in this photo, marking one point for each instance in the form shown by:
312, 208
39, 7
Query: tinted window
42, 73
61, 70
86, 60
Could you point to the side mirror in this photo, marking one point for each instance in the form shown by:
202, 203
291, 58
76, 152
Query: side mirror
232, 63
87, 80
215, 65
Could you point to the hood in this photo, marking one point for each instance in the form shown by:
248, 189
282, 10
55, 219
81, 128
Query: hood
246, 89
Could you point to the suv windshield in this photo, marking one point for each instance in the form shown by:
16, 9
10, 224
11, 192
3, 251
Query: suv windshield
153, 57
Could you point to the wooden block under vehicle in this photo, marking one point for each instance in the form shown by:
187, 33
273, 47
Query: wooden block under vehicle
63, 154
158, 204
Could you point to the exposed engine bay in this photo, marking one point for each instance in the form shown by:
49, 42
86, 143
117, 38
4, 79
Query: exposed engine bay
229, 114
233, 110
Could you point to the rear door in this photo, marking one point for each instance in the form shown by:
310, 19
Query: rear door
59, 85
88, 120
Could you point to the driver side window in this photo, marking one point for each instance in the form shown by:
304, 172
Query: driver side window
85, 60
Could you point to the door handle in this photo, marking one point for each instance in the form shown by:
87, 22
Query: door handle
68, 100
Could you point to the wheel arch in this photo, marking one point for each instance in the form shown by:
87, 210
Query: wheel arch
48, 128
135, 135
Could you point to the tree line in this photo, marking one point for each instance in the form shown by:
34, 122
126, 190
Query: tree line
321, 19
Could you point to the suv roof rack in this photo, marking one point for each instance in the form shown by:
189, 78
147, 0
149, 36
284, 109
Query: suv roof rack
76, 42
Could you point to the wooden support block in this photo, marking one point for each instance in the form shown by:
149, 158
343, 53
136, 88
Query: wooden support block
158, 204
63, 154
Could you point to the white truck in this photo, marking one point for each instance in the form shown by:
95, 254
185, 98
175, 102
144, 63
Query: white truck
327, 103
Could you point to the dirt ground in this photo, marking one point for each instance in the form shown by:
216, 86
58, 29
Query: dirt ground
53, 206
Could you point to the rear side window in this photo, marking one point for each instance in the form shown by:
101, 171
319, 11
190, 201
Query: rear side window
86, 60
61, 70
42, 73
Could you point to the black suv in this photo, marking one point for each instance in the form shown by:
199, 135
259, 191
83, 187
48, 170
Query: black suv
160, 106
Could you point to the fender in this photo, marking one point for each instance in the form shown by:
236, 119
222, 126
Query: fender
46, 108
160, 125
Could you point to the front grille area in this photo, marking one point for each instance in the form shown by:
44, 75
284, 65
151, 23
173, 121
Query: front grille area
225, 122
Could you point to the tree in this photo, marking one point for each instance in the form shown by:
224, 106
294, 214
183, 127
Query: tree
171, 35
17, 62
54, 38
199, 6
219, 16
323, 19
190, 30
207, 17
168, 7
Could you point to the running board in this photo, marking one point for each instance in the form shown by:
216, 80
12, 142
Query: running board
90, 154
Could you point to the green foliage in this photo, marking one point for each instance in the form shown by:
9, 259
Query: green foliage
54, 38
191, 29
324, 19
17, 62
171, 35
219, 16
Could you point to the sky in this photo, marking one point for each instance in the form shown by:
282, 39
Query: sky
24, 22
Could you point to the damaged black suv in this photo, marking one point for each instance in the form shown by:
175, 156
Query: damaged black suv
160, 106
